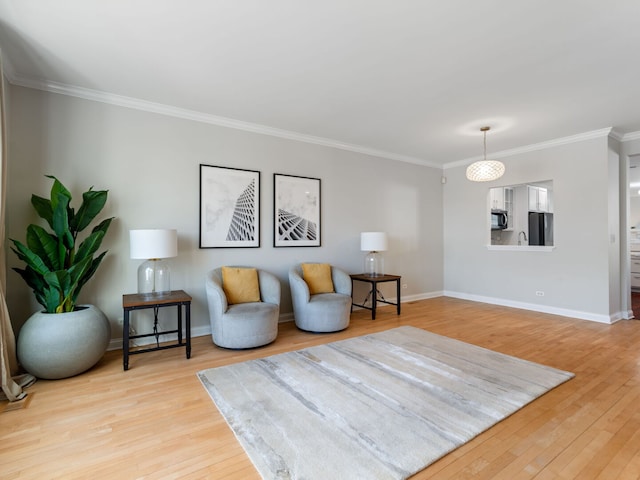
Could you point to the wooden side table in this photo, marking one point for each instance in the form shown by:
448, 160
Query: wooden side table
374, 280
139, 301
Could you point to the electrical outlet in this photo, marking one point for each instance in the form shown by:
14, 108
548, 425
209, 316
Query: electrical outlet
132, 331
404, 286
540, 293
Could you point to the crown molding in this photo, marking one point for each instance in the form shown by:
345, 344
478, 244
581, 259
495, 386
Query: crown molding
162, 109
624, 137
627, 137
534, 147
616, 135
193, 115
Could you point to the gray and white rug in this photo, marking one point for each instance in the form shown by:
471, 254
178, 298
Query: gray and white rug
380, 406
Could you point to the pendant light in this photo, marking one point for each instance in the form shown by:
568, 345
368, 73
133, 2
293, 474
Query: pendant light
485, 170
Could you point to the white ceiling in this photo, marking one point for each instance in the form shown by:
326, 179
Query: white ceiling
416, 79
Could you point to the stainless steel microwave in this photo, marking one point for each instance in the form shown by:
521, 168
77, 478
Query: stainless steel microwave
499, 220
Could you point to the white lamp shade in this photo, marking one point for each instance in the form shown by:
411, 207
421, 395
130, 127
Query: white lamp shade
373, 241
153, 243
485, 170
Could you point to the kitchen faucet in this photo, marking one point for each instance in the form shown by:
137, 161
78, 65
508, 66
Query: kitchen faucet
524, 235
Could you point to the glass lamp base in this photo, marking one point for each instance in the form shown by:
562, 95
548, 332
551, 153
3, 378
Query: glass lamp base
154, 277
374, 264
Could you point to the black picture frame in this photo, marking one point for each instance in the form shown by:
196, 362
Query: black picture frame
229, 207
297, 211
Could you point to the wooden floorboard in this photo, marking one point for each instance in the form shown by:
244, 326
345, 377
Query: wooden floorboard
156, 421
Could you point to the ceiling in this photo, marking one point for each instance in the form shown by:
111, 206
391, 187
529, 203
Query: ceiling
412, 80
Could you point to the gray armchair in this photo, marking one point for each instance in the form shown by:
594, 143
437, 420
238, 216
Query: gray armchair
322, 312
243, 325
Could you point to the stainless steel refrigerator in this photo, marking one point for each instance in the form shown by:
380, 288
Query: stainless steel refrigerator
540, 228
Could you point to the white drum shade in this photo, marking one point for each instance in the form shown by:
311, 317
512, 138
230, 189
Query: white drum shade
373, 241
153, 243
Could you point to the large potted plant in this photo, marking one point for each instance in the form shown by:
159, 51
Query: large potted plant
64, 339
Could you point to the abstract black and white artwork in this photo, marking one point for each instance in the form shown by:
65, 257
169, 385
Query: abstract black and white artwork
229, 207
296, 207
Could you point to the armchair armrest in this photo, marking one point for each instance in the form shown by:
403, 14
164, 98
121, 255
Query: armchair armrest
299, 288
341, 281
269, 287
215, 294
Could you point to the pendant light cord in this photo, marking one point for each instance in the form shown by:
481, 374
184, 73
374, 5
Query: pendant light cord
484, 130
485, 145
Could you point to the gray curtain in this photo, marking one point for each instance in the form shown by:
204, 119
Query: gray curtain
11, 386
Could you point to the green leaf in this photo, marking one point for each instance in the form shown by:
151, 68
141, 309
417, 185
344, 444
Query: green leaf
76, 274
92, 243
92, 203
44, 245
33, 279
36, 282
88, 274
89, 246
61, 220
58, 189
51, 299
103, 226
94, 240
43, 208
60, 280
30, 258
63, 255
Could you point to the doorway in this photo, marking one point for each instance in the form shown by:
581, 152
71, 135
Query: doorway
634, 231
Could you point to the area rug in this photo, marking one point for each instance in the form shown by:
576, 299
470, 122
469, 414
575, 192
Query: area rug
379, 406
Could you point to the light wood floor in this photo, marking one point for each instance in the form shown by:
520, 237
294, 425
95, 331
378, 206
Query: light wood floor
156, 421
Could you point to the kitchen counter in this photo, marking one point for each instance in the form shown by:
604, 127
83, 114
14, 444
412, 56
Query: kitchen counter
521, 248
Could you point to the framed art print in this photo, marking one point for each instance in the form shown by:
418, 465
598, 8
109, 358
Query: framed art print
229, 207
296, 207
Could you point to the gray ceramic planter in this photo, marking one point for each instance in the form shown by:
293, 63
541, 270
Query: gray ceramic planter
61, 345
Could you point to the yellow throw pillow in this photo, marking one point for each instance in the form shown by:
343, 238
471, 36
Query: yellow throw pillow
240, 285
318, 277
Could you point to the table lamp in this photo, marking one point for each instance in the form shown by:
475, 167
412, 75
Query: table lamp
374, 243
153, 245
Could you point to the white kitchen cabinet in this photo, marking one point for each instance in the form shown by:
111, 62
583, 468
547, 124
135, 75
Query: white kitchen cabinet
496, 197
538, 199
508, 207
501, 198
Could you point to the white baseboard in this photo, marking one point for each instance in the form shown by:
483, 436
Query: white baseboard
285, 317
421, 296
116, 343
594, 317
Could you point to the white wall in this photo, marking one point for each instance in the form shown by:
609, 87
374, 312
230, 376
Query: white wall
575, 275
150, 165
